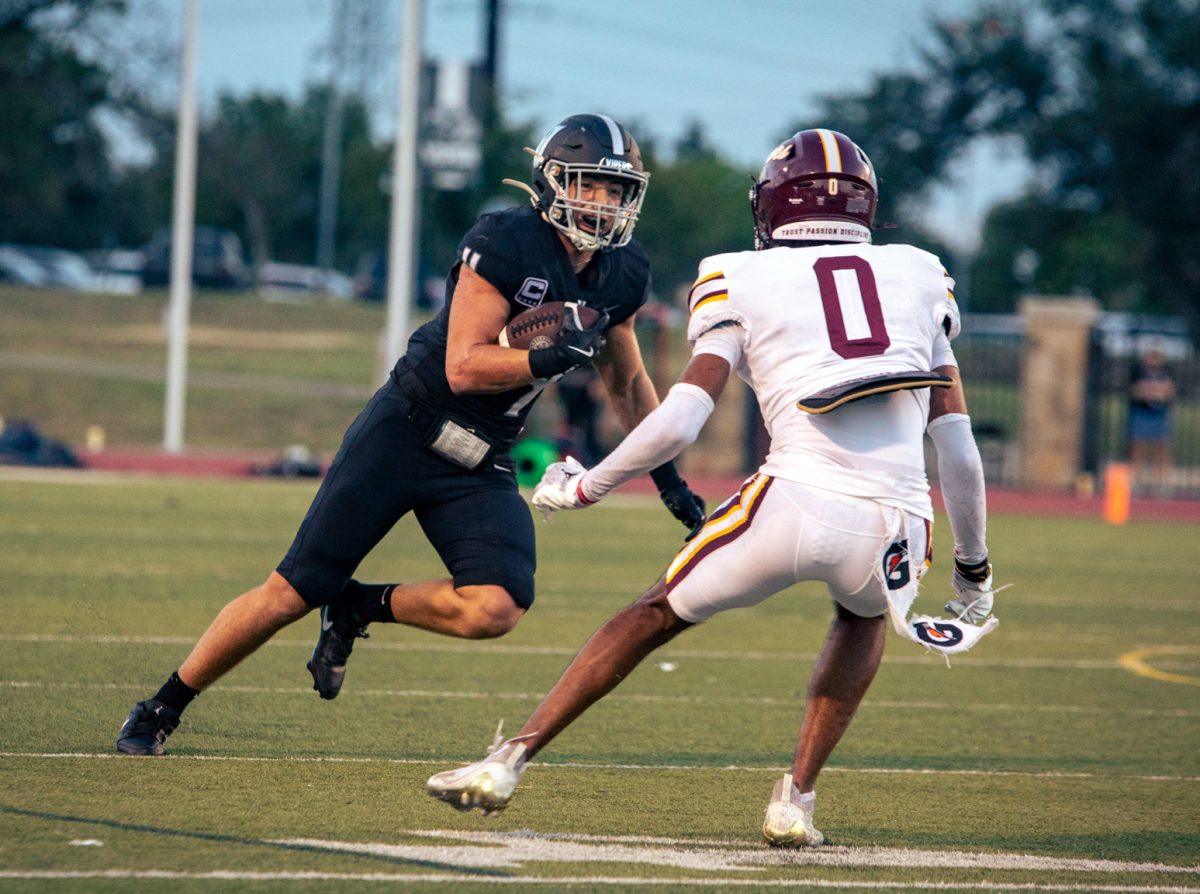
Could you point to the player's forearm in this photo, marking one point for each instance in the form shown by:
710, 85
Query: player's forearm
960, 472
634, 402
485, 369
660, 437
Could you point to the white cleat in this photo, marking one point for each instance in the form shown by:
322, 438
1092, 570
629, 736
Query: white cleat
787, 823
487, 784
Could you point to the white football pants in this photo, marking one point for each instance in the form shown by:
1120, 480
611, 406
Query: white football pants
775, 533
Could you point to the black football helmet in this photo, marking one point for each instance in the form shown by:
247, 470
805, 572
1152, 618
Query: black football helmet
817, 186
579, 147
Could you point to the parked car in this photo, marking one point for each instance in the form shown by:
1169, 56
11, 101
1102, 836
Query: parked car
58, 268
296, 282
120, 270
64, 269
217, 260
370, 282
18, 269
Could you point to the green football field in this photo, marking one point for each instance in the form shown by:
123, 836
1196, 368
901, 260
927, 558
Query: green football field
1062, 754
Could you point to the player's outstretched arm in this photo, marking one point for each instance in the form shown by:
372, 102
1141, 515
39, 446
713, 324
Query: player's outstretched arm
660, 437
960, 472
633, 397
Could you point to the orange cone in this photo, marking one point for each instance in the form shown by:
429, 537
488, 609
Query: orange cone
1116, 494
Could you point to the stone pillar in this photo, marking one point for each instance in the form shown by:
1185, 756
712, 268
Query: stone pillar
1053, 388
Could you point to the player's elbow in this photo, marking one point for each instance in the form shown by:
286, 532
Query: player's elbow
462, 378
678, 438
686, 428
620, 394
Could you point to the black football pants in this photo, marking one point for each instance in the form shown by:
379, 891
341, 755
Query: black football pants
476, 520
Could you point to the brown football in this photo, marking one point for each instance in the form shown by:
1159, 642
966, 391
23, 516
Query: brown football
540, 326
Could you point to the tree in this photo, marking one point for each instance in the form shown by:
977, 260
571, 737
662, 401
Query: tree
1056, 251
62, 80
1103, 96
53, 162
695, 206
259, 176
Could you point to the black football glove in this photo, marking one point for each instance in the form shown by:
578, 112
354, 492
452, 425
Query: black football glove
576, 346
685, 505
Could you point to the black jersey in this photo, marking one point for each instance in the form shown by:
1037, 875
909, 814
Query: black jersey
523, 258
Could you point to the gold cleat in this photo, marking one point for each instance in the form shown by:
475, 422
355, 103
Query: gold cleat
487, 784
787, 823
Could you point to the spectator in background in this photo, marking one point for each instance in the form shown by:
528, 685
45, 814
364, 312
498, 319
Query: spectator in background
1151, 390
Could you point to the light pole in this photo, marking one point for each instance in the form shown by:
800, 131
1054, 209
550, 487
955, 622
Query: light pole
405, 191
182, 227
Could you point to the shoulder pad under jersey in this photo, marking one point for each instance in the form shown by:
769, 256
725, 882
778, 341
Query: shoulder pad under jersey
709, 301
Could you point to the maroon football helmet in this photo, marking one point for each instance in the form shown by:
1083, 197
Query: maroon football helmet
817, 186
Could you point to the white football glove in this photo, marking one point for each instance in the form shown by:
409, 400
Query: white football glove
559, 488
974, 596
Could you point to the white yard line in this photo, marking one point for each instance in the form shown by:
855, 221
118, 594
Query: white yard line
514, 849
763, 700
569, 651
581, 765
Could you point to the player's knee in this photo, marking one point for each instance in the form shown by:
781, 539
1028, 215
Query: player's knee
282, 599
845, 614
653, 611
487, 612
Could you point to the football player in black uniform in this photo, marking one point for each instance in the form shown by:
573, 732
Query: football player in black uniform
434, 440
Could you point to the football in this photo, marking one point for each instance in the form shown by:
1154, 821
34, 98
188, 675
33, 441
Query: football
540, 326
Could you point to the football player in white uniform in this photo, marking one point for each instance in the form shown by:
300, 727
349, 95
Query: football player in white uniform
846, 346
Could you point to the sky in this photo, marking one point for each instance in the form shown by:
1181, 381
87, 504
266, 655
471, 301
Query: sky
745, 69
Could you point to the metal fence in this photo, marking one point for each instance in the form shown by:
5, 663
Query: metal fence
990, 353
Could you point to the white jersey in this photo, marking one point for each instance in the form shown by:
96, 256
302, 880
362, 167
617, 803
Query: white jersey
816, 317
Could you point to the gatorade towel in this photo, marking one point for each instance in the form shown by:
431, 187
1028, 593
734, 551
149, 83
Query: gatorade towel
899, 570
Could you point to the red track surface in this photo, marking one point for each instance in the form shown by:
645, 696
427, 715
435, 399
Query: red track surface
1003, 502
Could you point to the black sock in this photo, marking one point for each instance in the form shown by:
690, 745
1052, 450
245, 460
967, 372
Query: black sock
370, 603
175, 693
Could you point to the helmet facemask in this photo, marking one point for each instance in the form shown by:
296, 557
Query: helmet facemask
579, 149
590, 225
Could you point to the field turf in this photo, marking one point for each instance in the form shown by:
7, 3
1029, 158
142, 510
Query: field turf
1062, 754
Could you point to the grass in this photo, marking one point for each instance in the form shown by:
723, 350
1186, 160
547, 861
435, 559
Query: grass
256, 370
1037, 743
260, 375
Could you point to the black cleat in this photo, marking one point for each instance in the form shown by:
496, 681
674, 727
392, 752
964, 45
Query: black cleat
339, 629
146, 729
